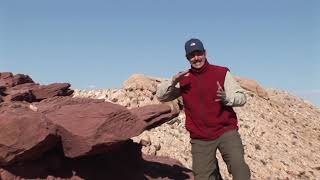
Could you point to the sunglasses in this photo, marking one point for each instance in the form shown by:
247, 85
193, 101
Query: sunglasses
195, 53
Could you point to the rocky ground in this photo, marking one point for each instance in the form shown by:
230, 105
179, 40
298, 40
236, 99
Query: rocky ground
280, 132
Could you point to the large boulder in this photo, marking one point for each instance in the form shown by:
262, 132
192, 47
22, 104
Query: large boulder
24, 134
91, 126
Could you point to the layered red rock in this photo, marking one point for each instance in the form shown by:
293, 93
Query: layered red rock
57, 136
91, 126
21, 87
7, 79
24, 134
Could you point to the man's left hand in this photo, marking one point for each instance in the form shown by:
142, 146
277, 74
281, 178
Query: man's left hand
220, 93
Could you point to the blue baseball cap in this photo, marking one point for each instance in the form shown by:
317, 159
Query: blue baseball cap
193, 45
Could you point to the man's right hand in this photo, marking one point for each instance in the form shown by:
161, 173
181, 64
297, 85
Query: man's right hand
176, 78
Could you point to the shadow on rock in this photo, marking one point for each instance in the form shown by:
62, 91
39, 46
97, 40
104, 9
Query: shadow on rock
126, 162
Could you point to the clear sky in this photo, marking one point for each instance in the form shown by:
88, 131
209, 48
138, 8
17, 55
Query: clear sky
100, 44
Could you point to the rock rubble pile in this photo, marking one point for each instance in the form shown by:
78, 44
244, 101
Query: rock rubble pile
281, 132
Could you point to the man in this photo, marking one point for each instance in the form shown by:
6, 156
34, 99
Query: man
209, 92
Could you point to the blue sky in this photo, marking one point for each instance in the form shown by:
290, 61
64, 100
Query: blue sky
100, 44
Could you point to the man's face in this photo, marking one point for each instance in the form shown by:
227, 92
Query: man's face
197, 58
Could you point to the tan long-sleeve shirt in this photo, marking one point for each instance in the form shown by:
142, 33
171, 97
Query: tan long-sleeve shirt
235, 95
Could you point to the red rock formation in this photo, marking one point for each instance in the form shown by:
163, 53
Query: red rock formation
7, 79
57, 136
22, 88
24, 134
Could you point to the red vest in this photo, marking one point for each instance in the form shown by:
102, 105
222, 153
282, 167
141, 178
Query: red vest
206, 119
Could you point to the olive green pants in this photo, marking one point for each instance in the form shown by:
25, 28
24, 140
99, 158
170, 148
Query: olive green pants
205, 165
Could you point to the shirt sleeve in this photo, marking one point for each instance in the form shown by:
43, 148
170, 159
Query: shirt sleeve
235, 95
167, 92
